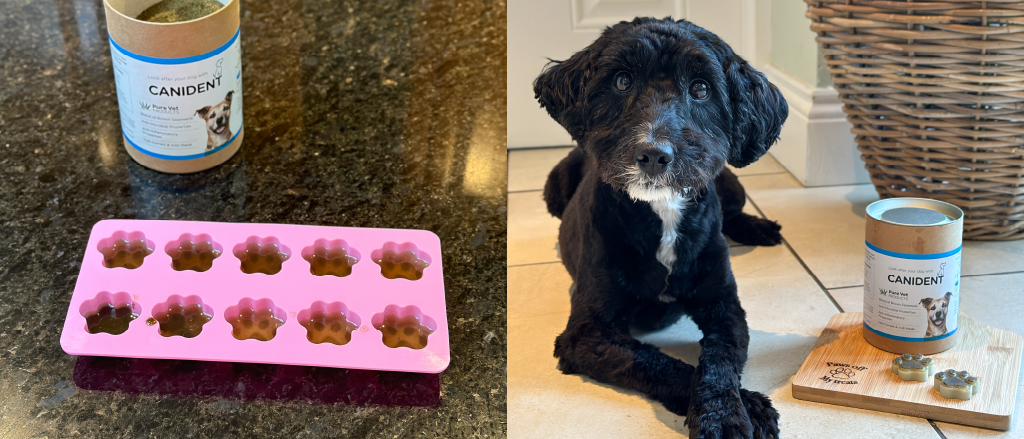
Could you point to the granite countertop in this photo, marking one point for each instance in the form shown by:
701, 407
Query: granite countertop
357, 113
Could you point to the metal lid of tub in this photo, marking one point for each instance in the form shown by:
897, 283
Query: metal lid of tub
876, 209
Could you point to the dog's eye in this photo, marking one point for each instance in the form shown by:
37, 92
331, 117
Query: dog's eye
623, 81
699, 89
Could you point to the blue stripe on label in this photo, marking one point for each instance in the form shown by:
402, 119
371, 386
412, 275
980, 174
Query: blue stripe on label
894, 337
913, 256
186, 60
183, 157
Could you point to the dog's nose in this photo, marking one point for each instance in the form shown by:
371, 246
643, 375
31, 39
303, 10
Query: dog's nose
653, 159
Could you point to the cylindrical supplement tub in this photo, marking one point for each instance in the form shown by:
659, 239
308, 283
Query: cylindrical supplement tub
179, 86
912, 275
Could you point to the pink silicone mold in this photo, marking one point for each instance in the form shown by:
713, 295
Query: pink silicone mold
181, 316
261, 255
193, 252
329, 323
125, 250
109, 313
403, 260
223, 290
335, 258
404, 326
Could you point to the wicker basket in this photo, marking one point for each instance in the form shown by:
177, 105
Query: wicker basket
935, 92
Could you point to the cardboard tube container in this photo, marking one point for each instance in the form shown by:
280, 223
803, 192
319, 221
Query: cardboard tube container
179, 86
912, 275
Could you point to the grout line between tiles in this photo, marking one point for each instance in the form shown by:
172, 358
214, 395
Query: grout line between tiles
521, 191
801, 261
936, 428
847, 286
532, 264
991, 274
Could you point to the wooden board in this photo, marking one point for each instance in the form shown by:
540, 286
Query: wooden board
843, 369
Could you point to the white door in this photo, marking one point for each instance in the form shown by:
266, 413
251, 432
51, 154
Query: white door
542, 29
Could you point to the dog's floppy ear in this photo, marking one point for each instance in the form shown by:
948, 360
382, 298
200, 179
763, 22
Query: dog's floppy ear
927, 301
949, 295
228, 97
202, 111
560, 91
758, 112
758, 108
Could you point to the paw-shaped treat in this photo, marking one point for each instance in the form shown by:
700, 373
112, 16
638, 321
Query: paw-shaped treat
110, 313
261, 255
913, 367
195, 253
257, 319
183, 316
333, 258
329, 323
956, 385
401, 260
126, 250
404, 327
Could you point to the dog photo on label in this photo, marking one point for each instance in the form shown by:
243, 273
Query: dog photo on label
657, 108
938, 313
218, 120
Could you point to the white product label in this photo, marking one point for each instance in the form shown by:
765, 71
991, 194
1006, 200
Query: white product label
911, 297
180, 108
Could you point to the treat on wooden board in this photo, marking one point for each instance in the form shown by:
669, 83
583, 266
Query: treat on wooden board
956, 385
913, 367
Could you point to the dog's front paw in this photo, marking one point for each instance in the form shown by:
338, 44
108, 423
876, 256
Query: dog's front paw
719, 417
763, 417
751, 230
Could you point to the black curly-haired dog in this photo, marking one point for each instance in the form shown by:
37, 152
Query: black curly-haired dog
658, 107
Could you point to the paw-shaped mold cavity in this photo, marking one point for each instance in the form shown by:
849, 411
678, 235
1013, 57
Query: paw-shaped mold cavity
255, 319
913, 367
261, 255
334, 258
329, 323
957, 385
124, 249
182, 316
109, 312
401, 260
404, 326
193, 252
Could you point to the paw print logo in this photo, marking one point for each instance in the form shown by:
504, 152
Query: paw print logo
842, 373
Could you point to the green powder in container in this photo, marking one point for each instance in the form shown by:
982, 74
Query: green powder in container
173, 11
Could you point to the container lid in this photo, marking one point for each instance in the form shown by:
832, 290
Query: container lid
914, 212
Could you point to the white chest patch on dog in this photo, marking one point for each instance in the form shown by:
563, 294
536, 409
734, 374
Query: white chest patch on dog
670, 210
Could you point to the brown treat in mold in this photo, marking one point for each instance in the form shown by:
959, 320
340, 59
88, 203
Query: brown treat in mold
328, 328
406, 265
404, 332
266, 259
111, 319
195, 256
334, 262
186, 321
255, 324
125, 253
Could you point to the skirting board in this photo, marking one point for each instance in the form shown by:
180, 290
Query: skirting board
843, 369
816, 144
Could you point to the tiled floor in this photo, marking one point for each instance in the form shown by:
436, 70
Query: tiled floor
785, 289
